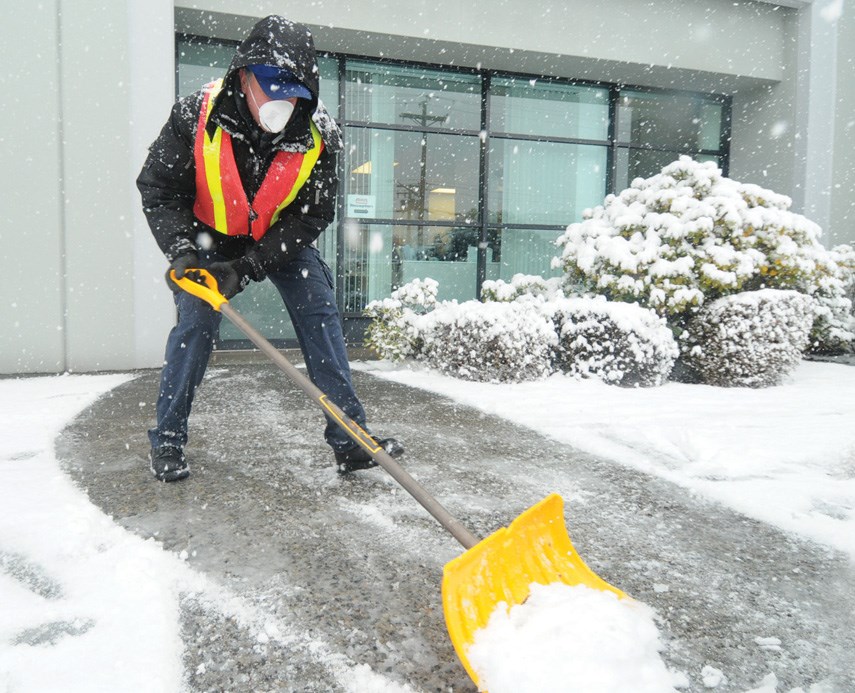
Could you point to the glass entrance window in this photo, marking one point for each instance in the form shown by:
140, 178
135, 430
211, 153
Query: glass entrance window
538, 107
424, 98
328, 69
513, 251
414, 165
438, 159
407, 176
668, 121
547, 161
379, 258
544, 182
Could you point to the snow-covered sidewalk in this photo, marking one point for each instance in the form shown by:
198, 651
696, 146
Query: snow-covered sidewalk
784, 455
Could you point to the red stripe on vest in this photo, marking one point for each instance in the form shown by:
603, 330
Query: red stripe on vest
277, 185
280, 179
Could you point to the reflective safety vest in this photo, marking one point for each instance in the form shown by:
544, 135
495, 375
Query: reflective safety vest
221, 201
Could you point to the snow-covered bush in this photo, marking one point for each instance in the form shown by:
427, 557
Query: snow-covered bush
492, 342
522, 334
392, 332
620, 343
521, 285
488, 342
689, 235
419, 295
834, 325
751, 339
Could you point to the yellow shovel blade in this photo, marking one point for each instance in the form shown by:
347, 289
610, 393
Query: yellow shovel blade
534, 548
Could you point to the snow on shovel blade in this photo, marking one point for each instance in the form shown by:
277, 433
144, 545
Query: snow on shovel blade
534, 548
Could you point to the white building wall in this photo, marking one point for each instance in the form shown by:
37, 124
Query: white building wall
842, 224
80, 268
32, 326
718, 42
95, 112
91, 82
152, 73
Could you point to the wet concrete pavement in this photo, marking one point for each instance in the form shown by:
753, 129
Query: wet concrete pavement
348, 570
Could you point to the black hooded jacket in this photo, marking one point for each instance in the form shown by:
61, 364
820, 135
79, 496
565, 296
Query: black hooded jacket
167, 182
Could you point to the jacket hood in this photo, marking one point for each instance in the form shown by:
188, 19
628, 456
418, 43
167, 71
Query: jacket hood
277, 41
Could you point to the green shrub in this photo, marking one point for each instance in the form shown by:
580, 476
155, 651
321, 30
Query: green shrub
689, 235
752, 339
619, 343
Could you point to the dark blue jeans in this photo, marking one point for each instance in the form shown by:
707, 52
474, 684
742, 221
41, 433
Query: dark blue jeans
306, 287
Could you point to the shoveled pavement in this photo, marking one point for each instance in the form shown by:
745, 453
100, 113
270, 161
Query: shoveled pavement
348, 569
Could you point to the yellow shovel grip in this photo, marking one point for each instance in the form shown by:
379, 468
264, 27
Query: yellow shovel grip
201, 284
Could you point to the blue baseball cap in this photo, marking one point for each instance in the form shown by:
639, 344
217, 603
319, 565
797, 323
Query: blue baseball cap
279, 83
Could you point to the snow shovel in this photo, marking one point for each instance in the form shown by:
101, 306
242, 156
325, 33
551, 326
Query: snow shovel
534, 548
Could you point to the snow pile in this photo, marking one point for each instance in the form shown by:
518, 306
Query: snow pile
419, 295
392, 333
620, 343
752, 339
571, 638
521, 285
688, 235
488, 342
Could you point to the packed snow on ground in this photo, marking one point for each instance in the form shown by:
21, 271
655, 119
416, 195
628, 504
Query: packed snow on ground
784, 455
85, 605
88, 606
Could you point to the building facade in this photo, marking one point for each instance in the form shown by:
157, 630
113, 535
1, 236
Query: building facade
474, 133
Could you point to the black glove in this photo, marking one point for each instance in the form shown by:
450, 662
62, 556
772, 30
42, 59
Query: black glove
231, 277
181, 264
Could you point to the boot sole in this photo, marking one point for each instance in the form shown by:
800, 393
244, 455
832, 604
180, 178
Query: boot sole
171, 475
348, 467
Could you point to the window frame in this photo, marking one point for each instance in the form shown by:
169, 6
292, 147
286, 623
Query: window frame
487, 229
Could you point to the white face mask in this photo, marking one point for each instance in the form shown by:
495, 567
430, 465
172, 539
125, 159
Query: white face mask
274, 115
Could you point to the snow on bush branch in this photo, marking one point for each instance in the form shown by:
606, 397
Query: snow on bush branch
526, 331
752, 339
620, 343
471, 340
393, 333
521, 285
689, 235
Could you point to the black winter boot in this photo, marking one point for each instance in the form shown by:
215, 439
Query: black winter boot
168, 463
356, 458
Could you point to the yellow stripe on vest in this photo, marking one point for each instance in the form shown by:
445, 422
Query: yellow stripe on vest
211, 154
310, 158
